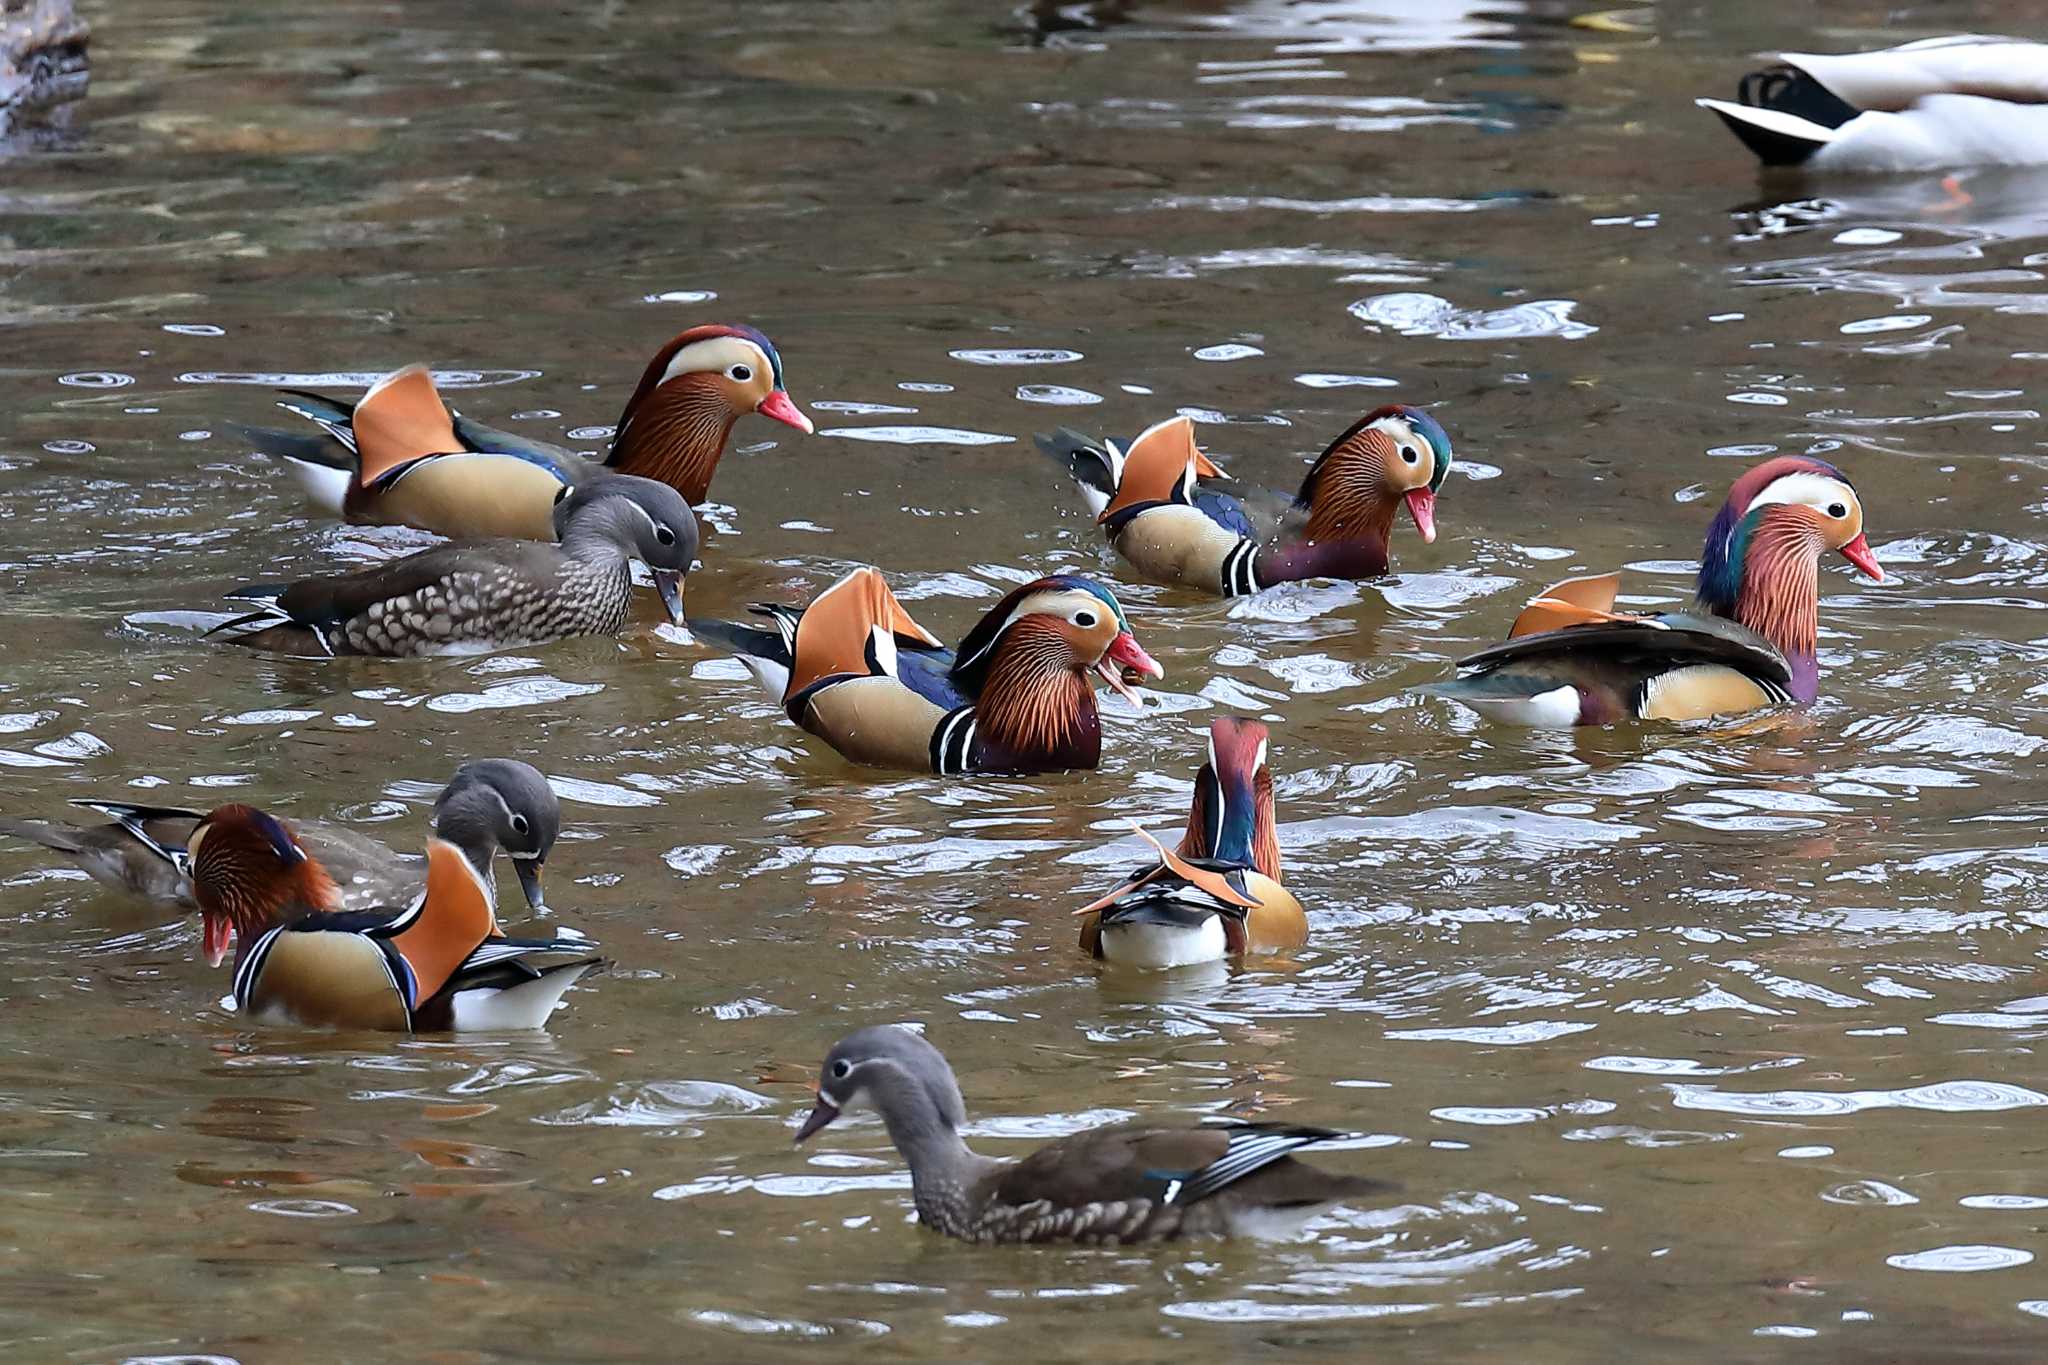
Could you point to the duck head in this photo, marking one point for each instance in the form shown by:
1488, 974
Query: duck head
1761, 563
1390, 457
641, 518
1231, 819
495, 803
890, 1069
675, 425
249, 872
1027, 666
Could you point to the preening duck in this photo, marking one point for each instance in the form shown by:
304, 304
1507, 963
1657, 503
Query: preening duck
1119, 1186
1751, 640
439, 964
1219, 895
1151, 504
397, 456
1929, 105
490, 804
855, 670
492, 594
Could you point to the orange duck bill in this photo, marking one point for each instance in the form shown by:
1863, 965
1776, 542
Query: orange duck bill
780, 406
1422, 506
1124, 655
1859, 553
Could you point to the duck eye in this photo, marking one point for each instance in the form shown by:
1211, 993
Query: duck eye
841, 1069
1409, 454
664, 536
1084, 619
519, 824
740, 374
1837, 511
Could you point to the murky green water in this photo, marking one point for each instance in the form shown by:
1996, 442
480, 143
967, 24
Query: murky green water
1678, 1041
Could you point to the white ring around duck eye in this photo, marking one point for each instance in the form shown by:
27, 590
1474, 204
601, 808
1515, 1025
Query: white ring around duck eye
519, 825
739, 374
841, 1069
664, 536
1409, 454
1084, 619
1837, 511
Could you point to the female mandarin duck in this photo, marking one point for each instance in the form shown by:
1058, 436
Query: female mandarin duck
1117, 1186
490, 804
1219, 895
1571, 660
399, 457
856, 671
1924, 106
440, 964
492, 594
1169, 528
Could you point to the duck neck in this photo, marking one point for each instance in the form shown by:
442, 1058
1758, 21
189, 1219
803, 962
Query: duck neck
943, 1168
459, 821
1775, 592
1035, 707
600, 533
674, 434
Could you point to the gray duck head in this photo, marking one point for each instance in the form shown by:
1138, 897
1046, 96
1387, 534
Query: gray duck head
638, 517
494, 803
894, 1071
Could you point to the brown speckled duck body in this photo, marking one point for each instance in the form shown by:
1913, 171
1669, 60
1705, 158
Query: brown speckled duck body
1128, 1184
498, 594
398, 456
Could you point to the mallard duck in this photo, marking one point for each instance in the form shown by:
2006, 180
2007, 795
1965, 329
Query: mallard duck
472, 598
1167, 525
855, 670
490, 804
1119, 1186
397, 456
1219, 895
1923, 106
1751, 640
440, 964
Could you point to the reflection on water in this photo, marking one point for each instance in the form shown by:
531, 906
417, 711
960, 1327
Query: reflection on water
1717, 1032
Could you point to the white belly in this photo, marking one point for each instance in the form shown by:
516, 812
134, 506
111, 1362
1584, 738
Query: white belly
1157, 947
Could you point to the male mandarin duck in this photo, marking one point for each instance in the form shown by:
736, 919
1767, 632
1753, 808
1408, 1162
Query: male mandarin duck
1166, 525
1750, 641
490, 804
1967, 100
855, 670
491, 594
1219, 895
1123, 1185
399, 457
438, 965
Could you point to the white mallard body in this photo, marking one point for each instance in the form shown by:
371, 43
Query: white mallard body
1967, 100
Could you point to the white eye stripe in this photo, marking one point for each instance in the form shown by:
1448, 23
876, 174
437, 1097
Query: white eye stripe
716, 354
1806, 490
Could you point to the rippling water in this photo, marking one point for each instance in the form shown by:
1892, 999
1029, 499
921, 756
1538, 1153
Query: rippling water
1685, 1038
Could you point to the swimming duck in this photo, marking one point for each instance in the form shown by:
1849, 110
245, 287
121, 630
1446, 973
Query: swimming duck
1219, 895
1117, 1186
1148, 499
490, 804
493, 594
1967, 100
397, 456
1751, 639
855, 670
438, 965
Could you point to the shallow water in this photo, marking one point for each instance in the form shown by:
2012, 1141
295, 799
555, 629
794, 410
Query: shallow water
1687, 1039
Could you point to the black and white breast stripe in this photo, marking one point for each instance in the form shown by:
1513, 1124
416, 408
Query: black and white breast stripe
1250, 1150
953, 742
1240, 569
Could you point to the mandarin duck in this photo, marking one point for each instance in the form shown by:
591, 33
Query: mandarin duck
439, 965
855, 670
490, 804
1219, 895
397, 456
1150, 503
1967, 100
1116, 1186
491, 594
1750, 641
